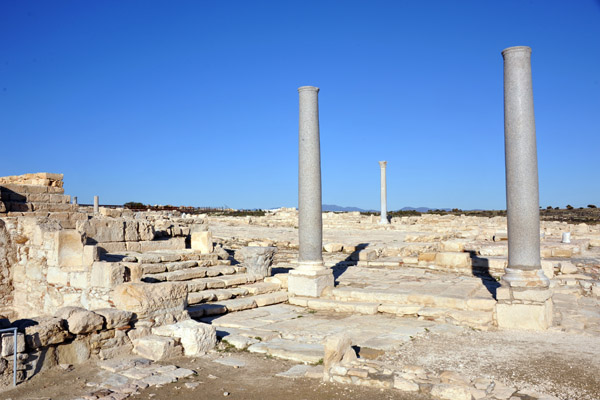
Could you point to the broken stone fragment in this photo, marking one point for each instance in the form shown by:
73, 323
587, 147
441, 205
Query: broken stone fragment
79, 320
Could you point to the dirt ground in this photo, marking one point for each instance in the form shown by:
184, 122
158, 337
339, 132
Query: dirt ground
255, 381
564, 365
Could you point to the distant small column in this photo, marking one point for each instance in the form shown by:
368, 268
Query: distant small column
311, 277
384, 219
74, 200
524, 300
96, 205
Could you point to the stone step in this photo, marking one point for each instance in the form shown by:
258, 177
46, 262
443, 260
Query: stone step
476, 319
221, 282
215, 295
188, 273
237, 304
413, 298
262, 287
311, 353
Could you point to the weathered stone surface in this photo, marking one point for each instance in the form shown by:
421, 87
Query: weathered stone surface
43, 331
8, 343
524, 316
157, 348
257, 260
335, 348
103, 229
76, 352
145, 299
115, 318
69, 249
450, 392
196, 338
107, 274
202, 241
80, 320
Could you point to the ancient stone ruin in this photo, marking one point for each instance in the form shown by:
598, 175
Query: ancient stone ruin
98, 283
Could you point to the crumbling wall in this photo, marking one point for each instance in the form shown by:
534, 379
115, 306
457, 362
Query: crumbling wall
8, 258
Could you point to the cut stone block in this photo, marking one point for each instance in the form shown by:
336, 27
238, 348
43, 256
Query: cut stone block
157, 348
524, 316
202, 242
196, 338
147, 299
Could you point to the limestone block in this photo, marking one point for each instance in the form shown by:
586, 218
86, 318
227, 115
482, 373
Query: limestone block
79, 320
132, 230
451, 392
145, 230
335, 347
69, 248
157, 348
524, 316
454, 260
8, 344
405, 385
115, 318
309, 283
176, 243
90, 254
107, 274
457, 246
43, 331
145, 299
535, 295
57, 277
103, 229
567, 267
333, 247
367, 255
79, 280
562, 252
195, 337
76, 352
202, 242
112, 247
548, 268
427, 257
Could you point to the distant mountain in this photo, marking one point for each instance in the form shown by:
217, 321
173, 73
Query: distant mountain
423, 209
336, 208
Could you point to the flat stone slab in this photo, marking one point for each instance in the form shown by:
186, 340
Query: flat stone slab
290, 350
297, 371
231, 362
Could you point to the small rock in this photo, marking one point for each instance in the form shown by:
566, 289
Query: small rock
211, 376
192, 385
225, 393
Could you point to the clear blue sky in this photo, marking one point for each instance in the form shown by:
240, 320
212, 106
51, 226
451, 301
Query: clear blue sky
195, 102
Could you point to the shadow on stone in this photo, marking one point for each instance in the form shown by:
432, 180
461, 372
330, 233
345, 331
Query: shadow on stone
350, 261
480, 268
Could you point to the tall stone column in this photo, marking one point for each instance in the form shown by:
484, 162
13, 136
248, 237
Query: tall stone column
96, 205
524, 300
311, 277
383, 220
75, 200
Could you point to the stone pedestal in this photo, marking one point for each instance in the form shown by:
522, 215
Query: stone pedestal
202, 241
310, 277
524, 300
383, 220
96, 205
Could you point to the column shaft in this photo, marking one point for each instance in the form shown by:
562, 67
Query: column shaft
383, 220
96, 205
310, 223
522, 197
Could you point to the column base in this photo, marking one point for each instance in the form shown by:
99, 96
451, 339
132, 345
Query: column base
524, 300
309, 283
384, 222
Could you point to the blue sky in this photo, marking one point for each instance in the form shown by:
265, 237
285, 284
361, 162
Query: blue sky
196, 103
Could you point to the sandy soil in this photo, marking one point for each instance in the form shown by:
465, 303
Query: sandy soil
564, 365
255, 381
